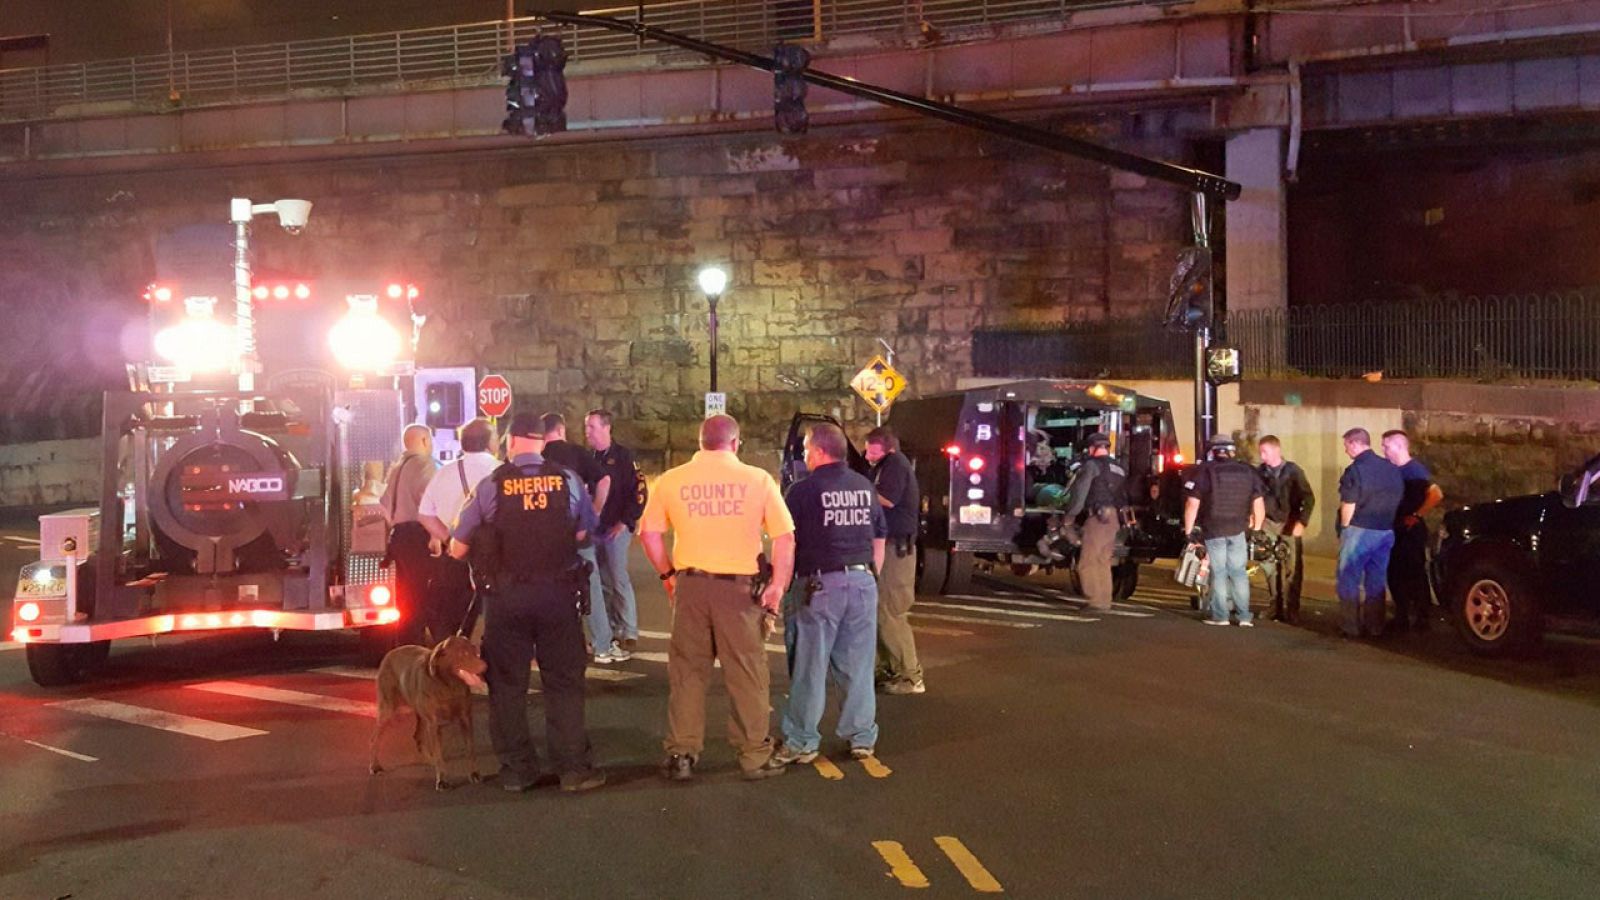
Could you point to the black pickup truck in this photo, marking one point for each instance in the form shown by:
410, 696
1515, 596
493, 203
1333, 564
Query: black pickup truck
1508, 569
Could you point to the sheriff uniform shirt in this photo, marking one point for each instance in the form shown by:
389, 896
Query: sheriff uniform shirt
836, 516
716, 507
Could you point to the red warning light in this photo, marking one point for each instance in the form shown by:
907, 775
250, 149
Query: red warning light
302, 291
975, 464
281, 292
160, 293
260, 292
396, 291
953, 451
411, 292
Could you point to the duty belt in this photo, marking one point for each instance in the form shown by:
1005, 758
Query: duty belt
853, 567
701, 573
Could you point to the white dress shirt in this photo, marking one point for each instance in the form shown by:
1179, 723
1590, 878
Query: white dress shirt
445, 496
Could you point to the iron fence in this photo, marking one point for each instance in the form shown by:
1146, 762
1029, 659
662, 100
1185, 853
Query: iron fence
1511, 337
471, 53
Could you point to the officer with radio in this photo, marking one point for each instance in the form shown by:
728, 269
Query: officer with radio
1099, 492
840, 531
534, 515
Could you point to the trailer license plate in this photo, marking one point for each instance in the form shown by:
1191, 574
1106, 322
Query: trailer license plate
976, 514
55, 587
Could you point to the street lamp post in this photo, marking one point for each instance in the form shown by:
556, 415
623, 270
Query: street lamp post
713, 281
292, 215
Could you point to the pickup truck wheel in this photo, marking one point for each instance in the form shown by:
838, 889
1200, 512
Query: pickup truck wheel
1494, 612
58, 665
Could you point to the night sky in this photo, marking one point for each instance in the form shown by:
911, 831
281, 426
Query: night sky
82, 30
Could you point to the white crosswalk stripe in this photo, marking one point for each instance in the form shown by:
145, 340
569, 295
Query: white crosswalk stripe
1025, 614
155, 718
667, 636
291, 698
593, 672
970, 620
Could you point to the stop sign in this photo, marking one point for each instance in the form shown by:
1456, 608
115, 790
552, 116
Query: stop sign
494, 396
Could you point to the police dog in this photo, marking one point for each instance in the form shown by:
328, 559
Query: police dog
436, 685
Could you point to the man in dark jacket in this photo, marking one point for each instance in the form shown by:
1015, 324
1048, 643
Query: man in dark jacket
1289, 501
619, 520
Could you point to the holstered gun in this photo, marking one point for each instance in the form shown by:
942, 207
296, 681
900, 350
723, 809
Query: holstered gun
763, 577
484, 556
577, 578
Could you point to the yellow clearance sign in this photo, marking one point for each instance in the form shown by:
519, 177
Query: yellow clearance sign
879, 384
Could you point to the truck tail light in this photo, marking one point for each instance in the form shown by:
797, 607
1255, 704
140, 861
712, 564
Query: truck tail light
379, 595
28, 612
975, 464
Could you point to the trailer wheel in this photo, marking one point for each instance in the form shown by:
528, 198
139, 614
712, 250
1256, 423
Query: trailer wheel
1125, 580
376, 642
959, 579
58, 665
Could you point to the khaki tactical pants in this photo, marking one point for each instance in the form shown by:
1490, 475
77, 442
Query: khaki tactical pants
1095, 557
717, 620
897, 590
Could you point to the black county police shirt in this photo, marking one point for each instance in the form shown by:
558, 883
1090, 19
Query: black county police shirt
836, 516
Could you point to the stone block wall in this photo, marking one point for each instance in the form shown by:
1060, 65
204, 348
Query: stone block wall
49, 473
570, 267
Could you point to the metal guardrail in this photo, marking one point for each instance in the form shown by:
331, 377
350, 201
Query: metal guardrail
1513, 337
471, 53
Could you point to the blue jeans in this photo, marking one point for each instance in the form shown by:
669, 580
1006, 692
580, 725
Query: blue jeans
620, 606
1363, 563
835, 633
1230, 577
599, 622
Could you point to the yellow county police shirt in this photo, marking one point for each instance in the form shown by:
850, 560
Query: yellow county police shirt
716, 507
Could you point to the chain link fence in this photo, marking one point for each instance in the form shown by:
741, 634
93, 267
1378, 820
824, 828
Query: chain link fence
1505, 337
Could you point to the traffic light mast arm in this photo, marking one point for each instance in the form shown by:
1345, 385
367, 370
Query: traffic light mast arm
1182, 176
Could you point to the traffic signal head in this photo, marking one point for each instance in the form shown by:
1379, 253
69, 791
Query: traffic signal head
1190, 304
536, 88
789, 88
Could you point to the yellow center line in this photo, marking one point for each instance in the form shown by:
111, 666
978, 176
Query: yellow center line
900, 865
827, 769
975, 873
875, 768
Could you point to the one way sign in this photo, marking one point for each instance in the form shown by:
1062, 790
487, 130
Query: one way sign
879, 384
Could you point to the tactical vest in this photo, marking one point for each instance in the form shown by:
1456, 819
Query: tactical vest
1232, 483
1109, 488
533, 520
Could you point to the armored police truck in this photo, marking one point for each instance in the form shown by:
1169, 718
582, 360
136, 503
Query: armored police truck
990, 459
225, 505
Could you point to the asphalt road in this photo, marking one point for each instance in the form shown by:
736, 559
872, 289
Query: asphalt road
1056, 754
